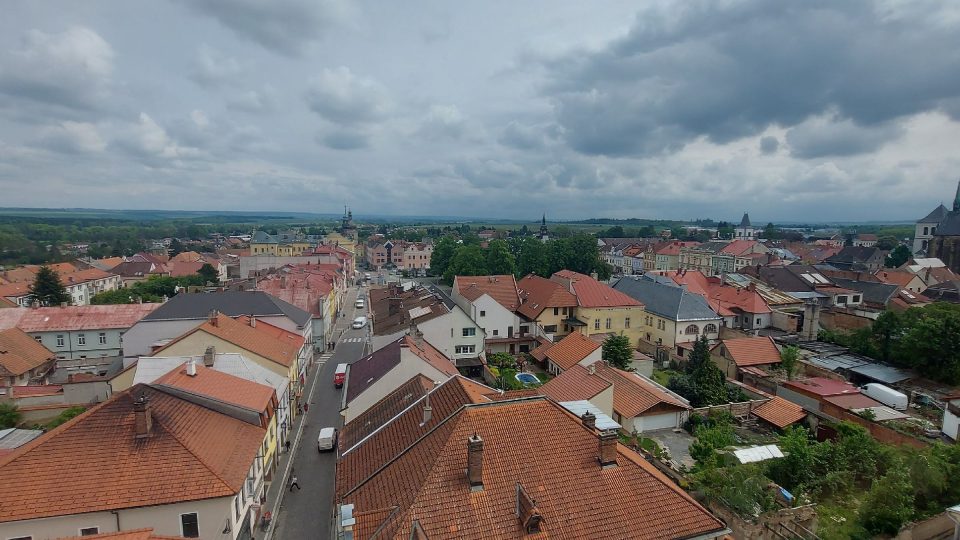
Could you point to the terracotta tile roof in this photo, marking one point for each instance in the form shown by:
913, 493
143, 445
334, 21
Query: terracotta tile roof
431, 355
37, 390
266, 340
136, 534
19, 353
198, 454
384, 410
673, 248
570, 350
895, 277
853, 401
780, 412
184, 268
504, 395
751, 351
14, 290
739, 247
823, 387
634, 395
221, 387
48, 319
427, 484
361, 457
502, 288
540, 352
393, 307
592, 294
574, 384
540, 293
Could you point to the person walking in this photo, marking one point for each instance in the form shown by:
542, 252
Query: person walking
293, 482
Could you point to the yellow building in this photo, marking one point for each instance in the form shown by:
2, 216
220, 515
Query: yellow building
547, 303
600, 308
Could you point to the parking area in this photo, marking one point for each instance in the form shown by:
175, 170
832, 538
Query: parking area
677, 443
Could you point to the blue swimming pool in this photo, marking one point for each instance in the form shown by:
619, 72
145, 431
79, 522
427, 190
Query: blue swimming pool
527, 378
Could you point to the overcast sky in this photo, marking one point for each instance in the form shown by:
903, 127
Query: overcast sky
813, 110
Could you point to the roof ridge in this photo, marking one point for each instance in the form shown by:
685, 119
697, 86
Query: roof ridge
184, 445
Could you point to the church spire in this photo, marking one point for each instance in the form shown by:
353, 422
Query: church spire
544, 221
956, 199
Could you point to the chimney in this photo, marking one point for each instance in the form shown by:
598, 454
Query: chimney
253, 321
475, 462
608, 449
143, 420
191, 368
209, 356
589, 420
212, 317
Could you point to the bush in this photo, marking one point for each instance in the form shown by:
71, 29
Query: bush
65, 416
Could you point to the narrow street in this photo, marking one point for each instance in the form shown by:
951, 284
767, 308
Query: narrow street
307, 513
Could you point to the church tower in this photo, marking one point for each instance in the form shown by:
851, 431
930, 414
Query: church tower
745, 231
945, 244
544, 234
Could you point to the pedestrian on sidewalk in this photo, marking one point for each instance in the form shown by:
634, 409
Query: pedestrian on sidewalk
293, 482
286, 444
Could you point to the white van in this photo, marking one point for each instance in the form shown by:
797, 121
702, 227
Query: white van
886, 395
359, 322
359, 303
327, 440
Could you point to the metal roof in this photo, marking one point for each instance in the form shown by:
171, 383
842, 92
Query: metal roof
581, 407
883, 412
882, 373
758, 453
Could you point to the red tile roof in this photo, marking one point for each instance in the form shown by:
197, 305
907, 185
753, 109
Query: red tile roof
37, 390
574, 384
780, 412
900, 278
69, 318
739, 248
221, 387
823, 387
20, 353
193, 453
570, 350
673, 248
853, 401
503, 289
633, 395
266, 340
426, 483
592, 294
540, 293
751, 351
135, 534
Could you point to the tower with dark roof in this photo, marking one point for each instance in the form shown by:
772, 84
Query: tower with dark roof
945, 241
745, 231
544, 234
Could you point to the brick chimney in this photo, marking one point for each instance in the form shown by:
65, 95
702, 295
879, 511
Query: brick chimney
608, 449
209, 356
475, 462
589, 420
253, 321
143, 419
212, 317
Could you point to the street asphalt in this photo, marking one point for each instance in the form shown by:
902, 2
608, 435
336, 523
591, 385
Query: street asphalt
308, 513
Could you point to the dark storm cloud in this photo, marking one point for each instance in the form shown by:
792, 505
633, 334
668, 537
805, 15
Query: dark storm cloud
820, 138
344, 98
729, 71
283, 26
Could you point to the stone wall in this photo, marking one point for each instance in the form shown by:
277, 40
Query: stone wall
877, 430
773, 525
836, 320
934, 528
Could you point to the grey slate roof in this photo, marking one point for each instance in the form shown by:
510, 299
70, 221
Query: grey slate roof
949, 226
231, 303
369, 369
936, 216
447, 301
260, 237
668, 301
745, 222
873, 292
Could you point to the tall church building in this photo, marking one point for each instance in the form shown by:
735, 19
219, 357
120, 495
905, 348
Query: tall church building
745, 231
945, 244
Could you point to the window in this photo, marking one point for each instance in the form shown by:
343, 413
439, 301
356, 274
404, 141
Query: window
465, 349
564, 311
596, 324
469, 332
81, 339
39, 340
496, 332
926, 231
89, 531
758, 320
483, 313
59, 340
189, 525
626, 322
103, 338
692, 330
609, 323
855, 300
841, 299
710, 329
550, 328
556, 311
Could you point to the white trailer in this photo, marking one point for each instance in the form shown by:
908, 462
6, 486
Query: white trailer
886, 395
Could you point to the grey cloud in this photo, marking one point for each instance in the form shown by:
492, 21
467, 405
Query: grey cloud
443, 122
66, 70
341, 97
283, 26
253, 101
72, 138
822, 137
521, 137
769, 145
730, 70
344, 140
212, 68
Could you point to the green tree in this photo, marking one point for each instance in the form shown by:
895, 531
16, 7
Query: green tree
47, 288
65, 416
9, 415
176, 247
897, 257
789, 360
209, 273
889, 504
502, 360
887, 329
707, 379
533, 258
443, 252
709, 440
797, 468
468, 261
499, 259
617, 351
887, 243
